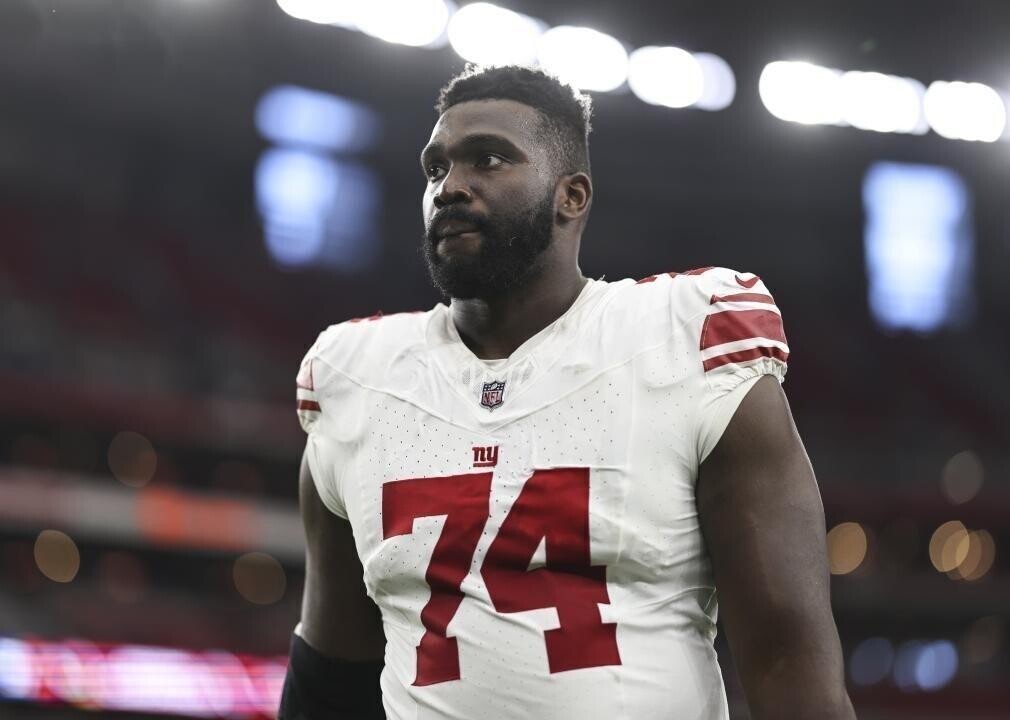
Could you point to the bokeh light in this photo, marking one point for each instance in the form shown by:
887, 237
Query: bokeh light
882, 103
979, 558
665, 76
302, 117
921, 665
948, 547
327, 12
490, 35
871, 661
965, 111
963, 555
936, 665
719, 82
404, 22
847, 545
56, 556
801, 92
259, 578
919, 242
962, 477
583, 57
132, 459
317, 210
18, 675
904, 664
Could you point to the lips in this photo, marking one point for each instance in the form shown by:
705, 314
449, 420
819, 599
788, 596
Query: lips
452, 228
454, 221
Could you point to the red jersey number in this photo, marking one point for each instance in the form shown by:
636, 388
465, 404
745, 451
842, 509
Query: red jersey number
553, 506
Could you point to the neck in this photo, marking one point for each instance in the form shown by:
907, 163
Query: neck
494, 328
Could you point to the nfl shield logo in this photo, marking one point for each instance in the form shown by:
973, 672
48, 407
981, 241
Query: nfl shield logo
491, 395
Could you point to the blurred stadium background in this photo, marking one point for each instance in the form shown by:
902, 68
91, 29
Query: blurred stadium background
192, 189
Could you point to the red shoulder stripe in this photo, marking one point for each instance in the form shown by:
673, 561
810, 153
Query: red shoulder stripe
308, 405
733, 325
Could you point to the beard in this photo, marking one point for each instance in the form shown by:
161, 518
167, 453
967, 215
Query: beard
511, 250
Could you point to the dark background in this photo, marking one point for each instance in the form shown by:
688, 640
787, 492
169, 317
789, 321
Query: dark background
136, 294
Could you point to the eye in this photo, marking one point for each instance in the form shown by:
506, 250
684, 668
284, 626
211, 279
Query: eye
487, 160
434, 172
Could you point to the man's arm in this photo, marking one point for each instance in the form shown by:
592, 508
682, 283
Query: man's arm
338, 618
763, 522
337, 653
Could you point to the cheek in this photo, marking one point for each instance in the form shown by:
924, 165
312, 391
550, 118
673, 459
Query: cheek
527, 200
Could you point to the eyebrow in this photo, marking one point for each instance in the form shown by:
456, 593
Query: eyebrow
471, 141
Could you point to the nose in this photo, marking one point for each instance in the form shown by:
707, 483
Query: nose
451, 191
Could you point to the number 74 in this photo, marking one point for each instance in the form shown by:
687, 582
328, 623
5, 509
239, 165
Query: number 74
553, 506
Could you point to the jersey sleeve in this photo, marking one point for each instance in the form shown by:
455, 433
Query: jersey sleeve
316, 414
741, 338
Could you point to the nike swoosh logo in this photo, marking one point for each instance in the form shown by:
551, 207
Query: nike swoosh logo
748, 283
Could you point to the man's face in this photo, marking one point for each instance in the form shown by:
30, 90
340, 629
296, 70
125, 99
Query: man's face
489, 202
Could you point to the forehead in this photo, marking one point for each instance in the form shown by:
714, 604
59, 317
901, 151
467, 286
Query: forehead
513, 120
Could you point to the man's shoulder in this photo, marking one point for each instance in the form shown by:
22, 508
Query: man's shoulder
676, 295
364, 339
640, 314
700, 279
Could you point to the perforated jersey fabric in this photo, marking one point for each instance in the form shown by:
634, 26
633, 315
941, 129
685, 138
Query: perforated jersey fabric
528, 527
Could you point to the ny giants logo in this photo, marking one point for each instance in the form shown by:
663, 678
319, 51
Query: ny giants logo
485, 456
491, 395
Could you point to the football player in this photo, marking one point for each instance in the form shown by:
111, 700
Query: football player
532, 502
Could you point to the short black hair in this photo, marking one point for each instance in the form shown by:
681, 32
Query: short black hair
566, 112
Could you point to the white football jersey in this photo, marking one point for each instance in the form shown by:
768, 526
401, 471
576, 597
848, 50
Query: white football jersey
528, 526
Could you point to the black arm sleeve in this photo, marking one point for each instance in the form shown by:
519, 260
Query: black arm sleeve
322, 688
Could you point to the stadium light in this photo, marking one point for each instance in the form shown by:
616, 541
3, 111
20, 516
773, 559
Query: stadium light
326, 12
965, 111
814, 95
871, 661
317, 210
925, 666
295, 192
583, 57
666, 76
962, 477
719, 84
882, 103
490, 35
57, 556
801, 92
293, 115
919, 245
140, 678
936, 665
415, 23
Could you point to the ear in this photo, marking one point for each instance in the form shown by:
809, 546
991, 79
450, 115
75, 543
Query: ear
574, 196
